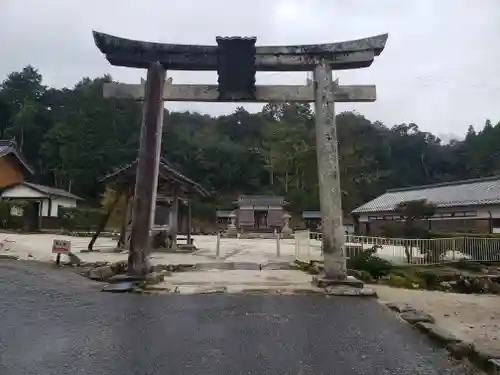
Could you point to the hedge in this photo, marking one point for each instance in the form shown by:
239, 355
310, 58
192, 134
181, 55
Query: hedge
80, 218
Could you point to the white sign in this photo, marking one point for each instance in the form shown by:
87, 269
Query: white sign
61, 247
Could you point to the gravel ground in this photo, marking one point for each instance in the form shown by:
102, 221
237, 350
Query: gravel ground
472, 318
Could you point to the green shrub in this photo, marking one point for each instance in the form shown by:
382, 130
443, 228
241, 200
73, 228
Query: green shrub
80, 218
4, 214
399, 230
397, 281
369, 262
365, 276
27, 221
430, 278
465, 265
360, 275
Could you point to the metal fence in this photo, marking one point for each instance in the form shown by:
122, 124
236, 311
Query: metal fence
403, 250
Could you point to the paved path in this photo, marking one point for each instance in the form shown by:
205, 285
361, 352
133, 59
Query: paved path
54, 323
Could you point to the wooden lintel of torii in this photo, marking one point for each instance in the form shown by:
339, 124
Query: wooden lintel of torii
263, 94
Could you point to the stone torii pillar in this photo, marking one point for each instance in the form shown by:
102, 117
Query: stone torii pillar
146, 182
236, 61
330, 195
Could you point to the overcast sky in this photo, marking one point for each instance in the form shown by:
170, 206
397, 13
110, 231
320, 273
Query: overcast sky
440, 68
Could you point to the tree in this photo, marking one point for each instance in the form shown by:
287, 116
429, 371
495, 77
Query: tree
411, 211
74, 136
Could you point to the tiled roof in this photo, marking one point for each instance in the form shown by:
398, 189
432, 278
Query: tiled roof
311, 215
47, 190
473, 192
261, 200
224, 214
10, 147
167, 171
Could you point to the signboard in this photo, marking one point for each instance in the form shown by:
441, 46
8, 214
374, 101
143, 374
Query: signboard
61, 247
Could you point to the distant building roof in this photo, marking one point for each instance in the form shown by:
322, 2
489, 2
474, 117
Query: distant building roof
10, 148
46, 190
261, 200
479, 191
166, 172
311, 215
224, 214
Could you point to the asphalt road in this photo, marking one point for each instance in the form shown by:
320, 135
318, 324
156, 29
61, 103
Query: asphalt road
54, 322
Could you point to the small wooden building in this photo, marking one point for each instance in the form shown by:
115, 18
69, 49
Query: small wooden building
256, 213
173, 187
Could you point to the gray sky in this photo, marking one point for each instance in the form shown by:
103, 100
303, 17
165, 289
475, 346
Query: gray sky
439, 69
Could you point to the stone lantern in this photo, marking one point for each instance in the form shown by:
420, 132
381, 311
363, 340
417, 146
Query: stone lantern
232, 231
287, 232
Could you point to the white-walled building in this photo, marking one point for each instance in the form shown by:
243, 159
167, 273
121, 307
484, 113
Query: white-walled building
47, 199
462, 206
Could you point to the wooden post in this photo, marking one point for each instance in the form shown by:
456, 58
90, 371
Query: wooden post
189, 218
329, 173
174, 218
217, 245
147, 172
127, 214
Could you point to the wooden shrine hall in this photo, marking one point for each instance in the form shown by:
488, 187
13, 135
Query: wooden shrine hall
257, 213
173, 187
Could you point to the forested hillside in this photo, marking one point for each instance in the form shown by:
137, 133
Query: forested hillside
73, 137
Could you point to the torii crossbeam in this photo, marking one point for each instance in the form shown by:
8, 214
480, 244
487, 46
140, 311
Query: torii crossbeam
263, 94
236, 60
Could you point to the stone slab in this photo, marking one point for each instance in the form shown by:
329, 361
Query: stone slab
349, 291
494, 365
124, 278
321, 281
123, 287
485, 354
152, 278
74, 259
8, 257
101, 273
218, 290
278, 266
460, 349
437, 333
416, 316
400, 307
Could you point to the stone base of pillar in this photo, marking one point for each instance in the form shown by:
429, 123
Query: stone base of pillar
231, 232
321, 281
187, 247
287, 233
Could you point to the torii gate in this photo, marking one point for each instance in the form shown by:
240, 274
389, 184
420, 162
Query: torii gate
236, 60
